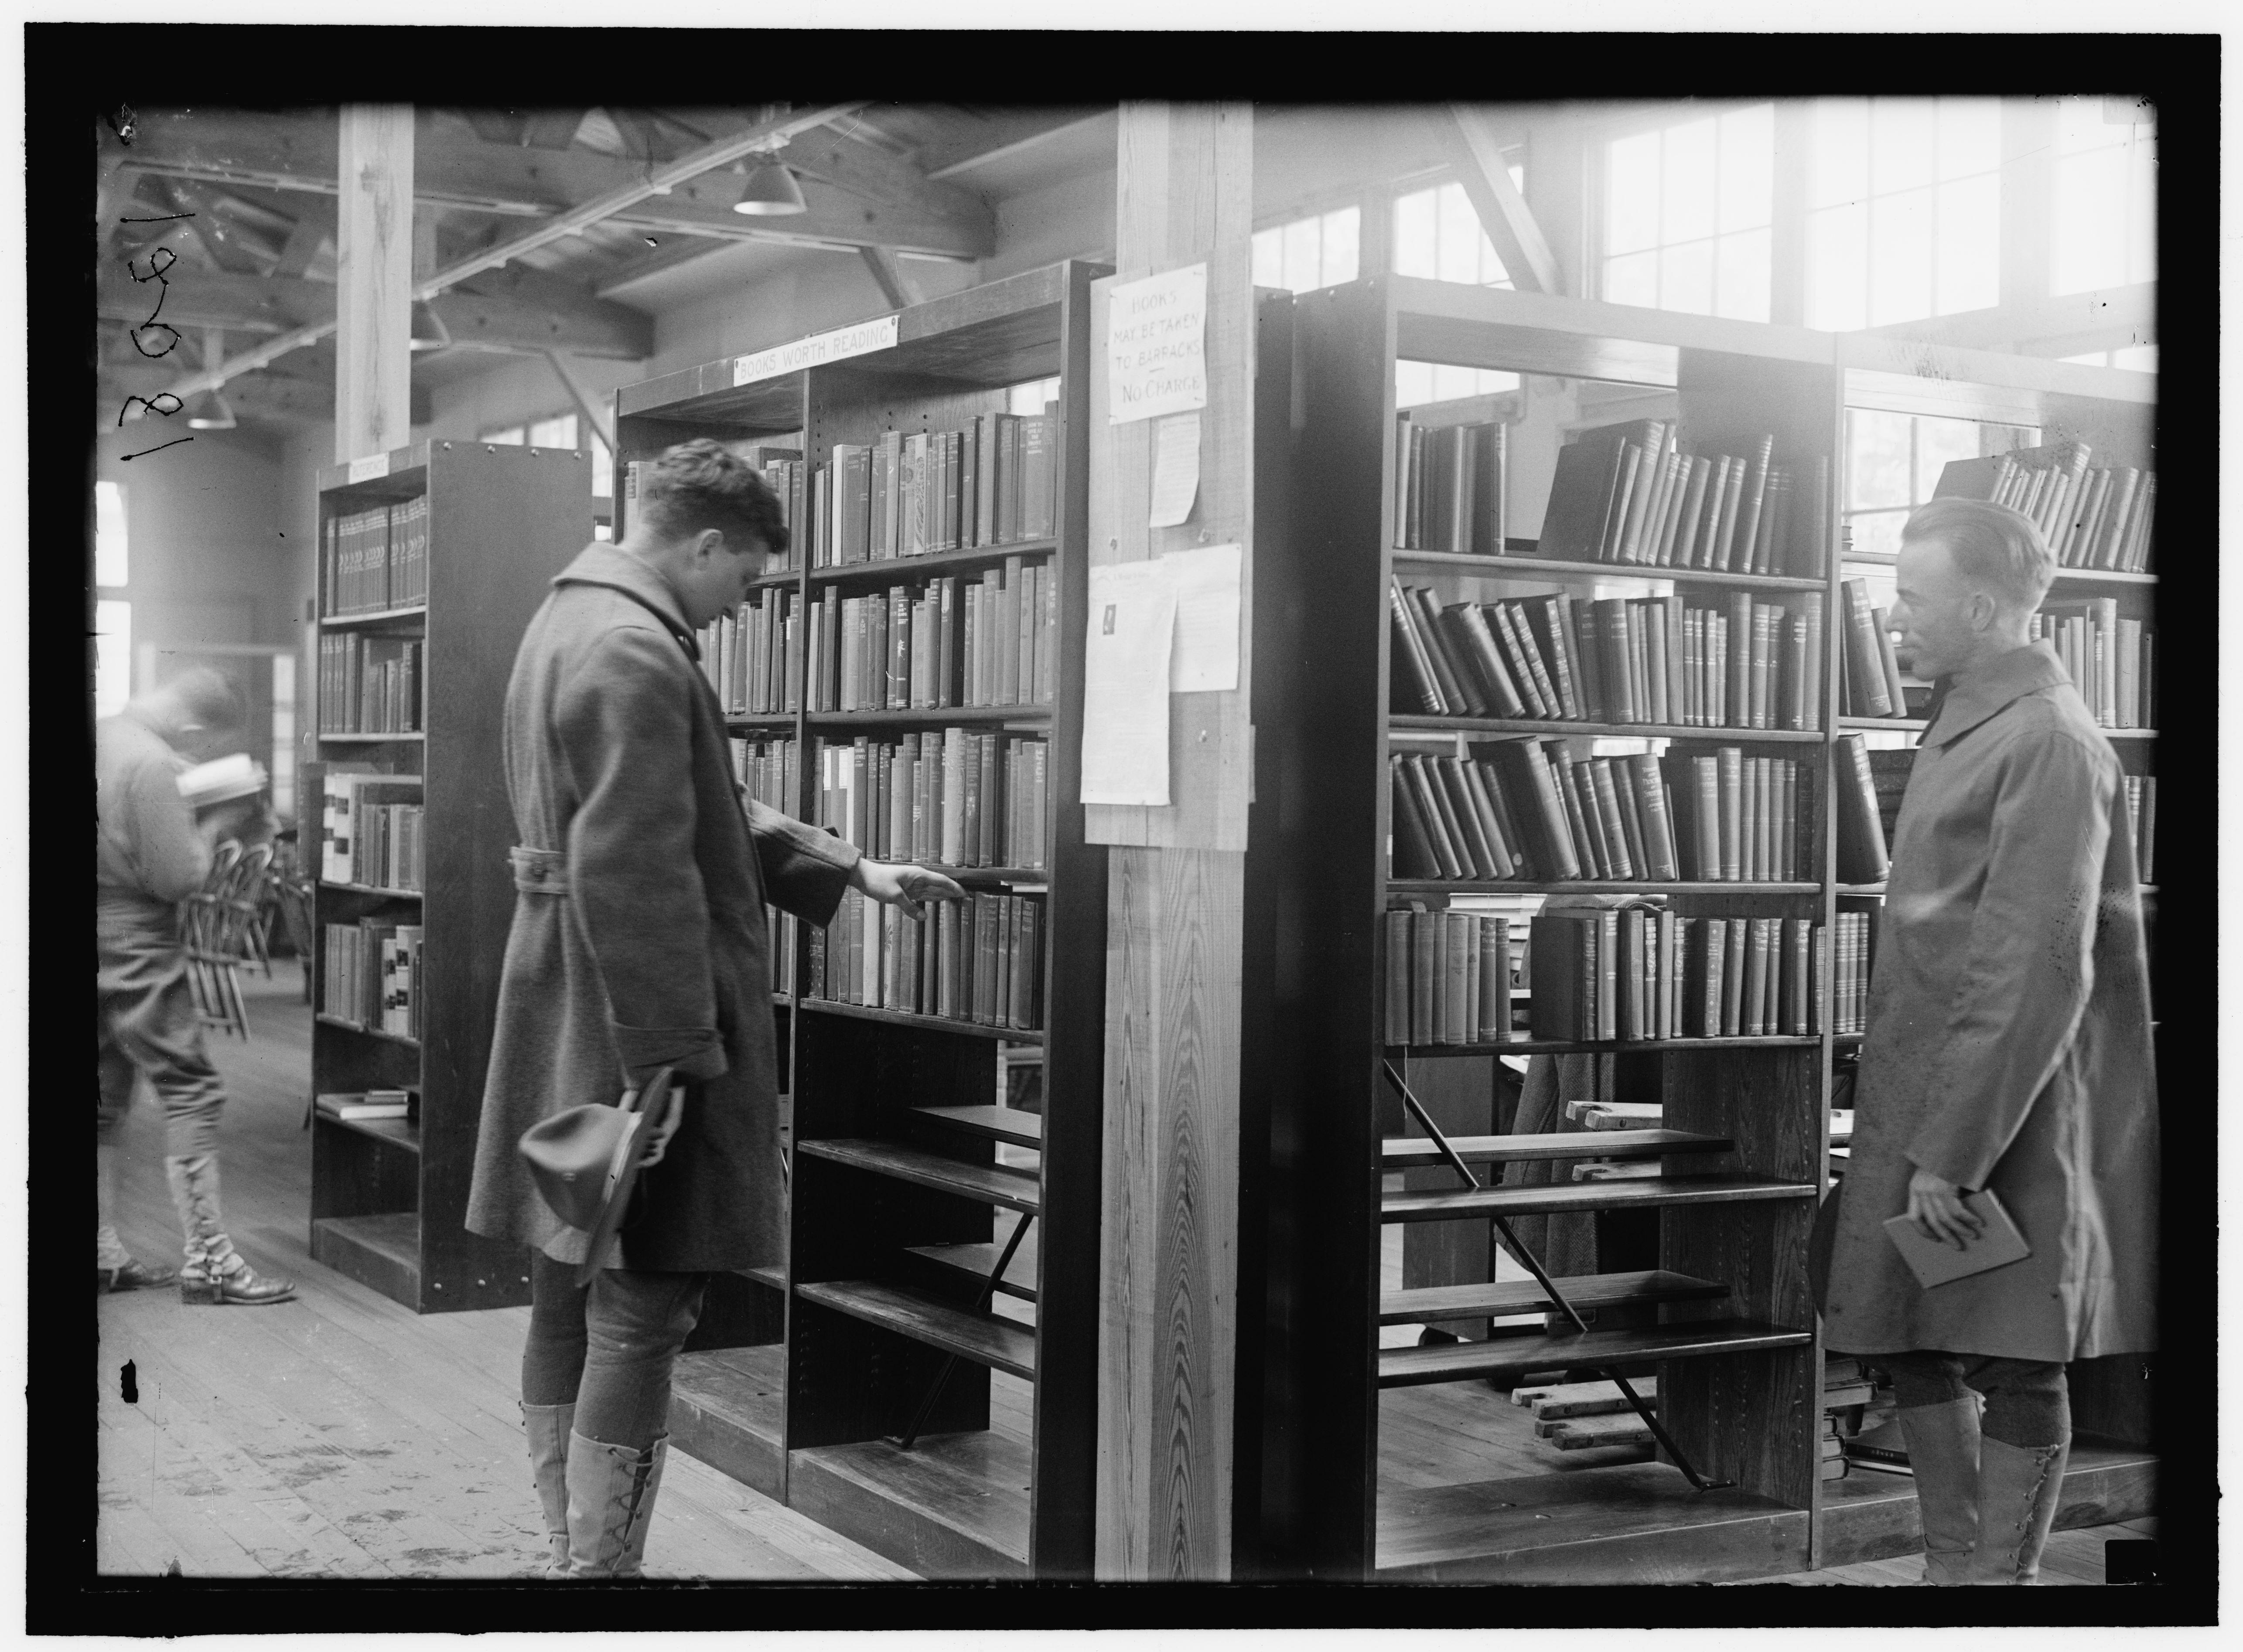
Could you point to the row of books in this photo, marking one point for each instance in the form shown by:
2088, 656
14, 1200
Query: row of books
371, 976
350, 816
979, 959
1454, 487
370, 685
373, 559
1742, 664
1529, 810
990, 640
2142, 817
941, 796
1868, 670
1646, 973
1629, 494
2111, 661
2093, 518
1449, 977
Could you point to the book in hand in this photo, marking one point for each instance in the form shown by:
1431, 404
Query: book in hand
222, 781
1935, 1263
365, 1103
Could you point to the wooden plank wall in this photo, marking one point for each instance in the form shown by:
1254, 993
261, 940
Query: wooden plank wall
1167, 1315
374, 278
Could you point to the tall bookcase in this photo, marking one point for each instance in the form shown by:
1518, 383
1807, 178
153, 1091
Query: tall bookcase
877, 1380
388, 1196
1348, 1488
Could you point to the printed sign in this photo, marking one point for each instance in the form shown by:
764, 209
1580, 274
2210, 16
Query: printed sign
860, 340
1156, 345
365, 470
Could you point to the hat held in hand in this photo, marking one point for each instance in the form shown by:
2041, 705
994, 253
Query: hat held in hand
586, 1161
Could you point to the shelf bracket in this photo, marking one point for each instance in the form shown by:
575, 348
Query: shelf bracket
988, 1295
1527, 1260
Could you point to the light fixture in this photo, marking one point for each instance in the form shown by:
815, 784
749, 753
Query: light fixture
771, 191
428, 330
207, 410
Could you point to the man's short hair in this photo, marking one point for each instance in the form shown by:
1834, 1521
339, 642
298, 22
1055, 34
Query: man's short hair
210, 697
1992, 545
701, 484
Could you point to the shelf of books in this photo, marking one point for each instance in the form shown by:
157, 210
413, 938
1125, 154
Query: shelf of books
921, 1374
432, 560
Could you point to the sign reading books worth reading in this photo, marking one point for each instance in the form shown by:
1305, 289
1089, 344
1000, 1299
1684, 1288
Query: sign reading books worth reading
860, 339
1156, 345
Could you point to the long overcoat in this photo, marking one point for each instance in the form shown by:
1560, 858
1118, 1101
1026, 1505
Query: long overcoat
639, 937
2008, 1040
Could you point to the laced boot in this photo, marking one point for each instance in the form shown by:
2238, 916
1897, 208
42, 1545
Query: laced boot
1943, 1453
548, 1427
215, 1272
2019, 1487
611, 1491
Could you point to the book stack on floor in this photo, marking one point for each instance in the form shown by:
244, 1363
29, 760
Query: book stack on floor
2093, 517
1744, 663
1859, 1430
2111, 660
1869, 671
1531, 809
979, 959
369, 685
1591, 1416
985, 641
944, 797
1449, 977
374, 560
1627, 494
371, 976
1454, 490
1642, 973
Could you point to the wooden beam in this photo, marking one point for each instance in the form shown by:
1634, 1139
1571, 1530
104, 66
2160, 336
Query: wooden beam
374, 290
1167, 1306
895, 286
316, 227
1472, 152
599, 417
261, 397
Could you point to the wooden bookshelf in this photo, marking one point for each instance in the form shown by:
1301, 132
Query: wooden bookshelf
801, 1381
389, 1197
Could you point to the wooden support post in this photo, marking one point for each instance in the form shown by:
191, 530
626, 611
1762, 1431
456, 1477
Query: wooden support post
1518, 241
897, 287
1168, 1310
374, 281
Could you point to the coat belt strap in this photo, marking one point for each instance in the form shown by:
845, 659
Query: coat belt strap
540, 871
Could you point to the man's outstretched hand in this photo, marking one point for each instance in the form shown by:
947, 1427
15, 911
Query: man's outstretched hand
904, 886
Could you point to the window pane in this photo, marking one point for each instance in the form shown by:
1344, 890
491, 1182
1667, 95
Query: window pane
1413, 234
1900, 256
1493, 381
1451, 383
112, 657
1747, 168
1413, 383
1268, 259
1028, 400
1901, 131
111, 563
554, 433
1740, 276
1840, 172
1937, 442
1837, 277
1343, 244
1880, 536
604, 476
2089, 207
1876, 458
1970, 244
1460, 235
1686, 183
1633, 279
511, 438
1686, 277
1969, 136
1303, 250
1631, 193
2135, 358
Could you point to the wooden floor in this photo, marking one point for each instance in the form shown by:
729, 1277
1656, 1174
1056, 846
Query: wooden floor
340, 1434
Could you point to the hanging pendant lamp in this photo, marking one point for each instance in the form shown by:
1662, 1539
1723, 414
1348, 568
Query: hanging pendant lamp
771, 191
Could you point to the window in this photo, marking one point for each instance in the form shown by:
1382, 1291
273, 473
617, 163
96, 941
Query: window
112, 656
1029, 399
2134, 358
560, 432
510, 437
1437, 236
111, 563
1687, 215
2106, 181
1419, 382
1310, 252
1893, 463
1904, 210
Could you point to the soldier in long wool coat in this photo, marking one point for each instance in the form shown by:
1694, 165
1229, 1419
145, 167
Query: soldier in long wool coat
639, 941
2007, 1049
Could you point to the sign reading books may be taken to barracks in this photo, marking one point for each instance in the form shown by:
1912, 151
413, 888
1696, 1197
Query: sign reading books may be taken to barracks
860, 340
1156, 345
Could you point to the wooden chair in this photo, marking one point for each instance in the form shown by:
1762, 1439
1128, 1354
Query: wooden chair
219, 924
292, 896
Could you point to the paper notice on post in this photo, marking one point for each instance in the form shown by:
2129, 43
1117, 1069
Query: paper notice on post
1205, 653
1156, 345
1125, 684
1175, 469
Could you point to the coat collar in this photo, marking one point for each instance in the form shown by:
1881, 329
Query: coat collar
602, 564
1977, 694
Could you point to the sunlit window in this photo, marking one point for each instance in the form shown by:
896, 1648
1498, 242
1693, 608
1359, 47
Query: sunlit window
2134, 358
2106, 182
559, 431
510, 437
1320, 251
1439, 237
1687, 215
1904, 210
1893, 463
604, 473
1029, 398
111, 561
112, 656
1416, 383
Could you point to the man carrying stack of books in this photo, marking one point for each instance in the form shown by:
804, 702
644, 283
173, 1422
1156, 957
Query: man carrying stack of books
152, 852
1998, 1216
